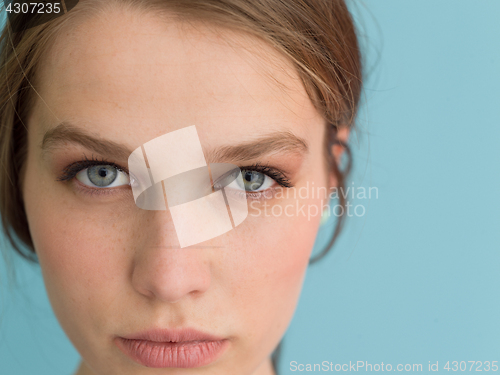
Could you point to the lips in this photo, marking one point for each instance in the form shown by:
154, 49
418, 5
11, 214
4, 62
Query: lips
160, 348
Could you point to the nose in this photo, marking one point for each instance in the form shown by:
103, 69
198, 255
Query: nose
161, 269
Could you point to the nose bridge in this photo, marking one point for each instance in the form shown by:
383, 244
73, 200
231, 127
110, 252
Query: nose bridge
156, 229
161, 268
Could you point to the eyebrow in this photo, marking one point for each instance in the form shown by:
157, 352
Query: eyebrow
275, 142
66, 132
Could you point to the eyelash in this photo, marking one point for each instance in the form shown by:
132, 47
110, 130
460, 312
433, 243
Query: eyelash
71, 170
269, 171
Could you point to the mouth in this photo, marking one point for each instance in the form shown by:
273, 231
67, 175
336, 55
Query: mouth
159, 348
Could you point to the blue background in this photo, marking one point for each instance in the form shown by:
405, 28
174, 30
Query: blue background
416, 278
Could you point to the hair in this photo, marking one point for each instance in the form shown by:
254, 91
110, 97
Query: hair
317, 36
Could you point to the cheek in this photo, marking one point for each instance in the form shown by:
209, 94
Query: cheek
274, 250
268, 263
80, 249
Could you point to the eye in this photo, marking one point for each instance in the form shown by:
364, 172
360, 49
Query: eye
253, 181
102, 176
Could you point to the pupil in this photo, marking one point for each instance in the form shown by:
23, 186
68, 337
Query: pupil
102, 172
248, 176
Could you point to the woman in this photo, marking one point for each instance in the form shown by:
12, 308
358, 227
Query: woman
269, 86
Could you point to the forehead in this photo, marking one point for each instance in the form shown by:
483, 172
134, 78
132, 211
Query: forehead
130, 71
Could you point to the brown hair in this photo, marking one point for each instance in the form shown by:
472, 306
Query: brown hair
317, 36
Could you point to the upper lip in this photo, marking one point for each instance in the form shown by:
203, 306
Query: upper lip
173, 335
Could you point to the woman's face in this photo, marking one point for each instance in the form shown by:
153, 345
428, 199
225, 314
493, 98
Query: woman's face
114, 270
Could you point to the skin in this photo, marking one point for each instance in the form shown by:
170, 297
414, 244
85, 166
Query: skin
111, 268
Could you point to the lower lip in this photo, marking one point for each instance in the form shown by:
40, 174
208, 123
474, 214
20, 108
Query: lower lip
185, 354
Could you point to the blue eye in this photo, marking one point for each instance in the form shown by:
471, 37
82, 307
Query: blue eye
254, 181
103, 176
